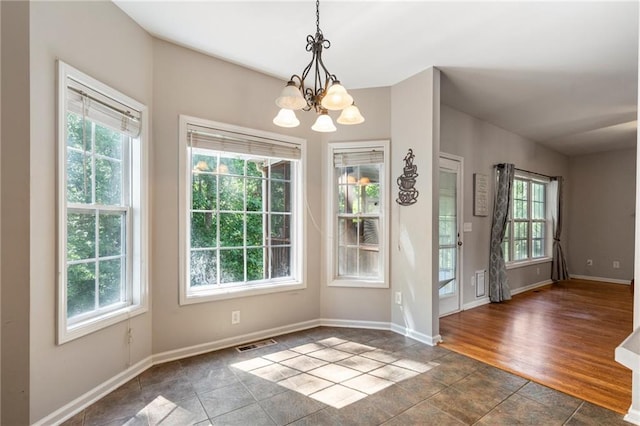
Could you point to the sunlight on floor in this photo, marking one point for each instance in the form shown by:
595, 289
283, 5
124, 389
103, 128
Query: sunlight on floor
334, 371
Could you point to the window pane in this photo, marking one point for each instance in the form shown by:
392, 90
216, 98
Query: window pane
347, 261
280, 196
521, 250
255, 264
255, 230
231, 166
81, 236
371, 196
537, 210
203, 191
75, 131
280, 262
256, 168
203, 230
110, 281
231, 266
203, 267
108, 182
369, 263
521, 230
108, 142
111, 229
281, 170
520, 209
201, 162
254, 195
342, 199
79, 182
347, 231
505, 251
537, 192
537, 230
231, 229
447, 230
538, 248
369, 232
231, 193
81, 288
280, 229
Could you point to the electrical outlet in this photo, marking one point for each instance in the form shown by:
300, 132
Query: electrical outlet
616, 264
235, 317
589, 262
398, 298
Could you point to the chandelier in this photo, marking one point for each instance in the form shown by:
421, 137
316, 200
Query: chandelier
327, 94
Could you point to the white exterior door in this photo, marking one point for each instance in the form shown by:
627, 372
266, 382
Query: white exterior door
450, 234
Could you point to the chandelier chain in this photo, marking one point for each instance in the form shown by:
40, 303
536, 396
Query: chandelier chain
317, 16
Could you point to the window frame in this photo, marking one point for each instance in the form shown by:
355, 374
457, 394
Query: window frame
298, 245
136, 213
332, 214
538, 179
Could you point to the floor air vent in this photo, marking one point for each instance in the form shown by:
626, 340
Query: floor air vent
255, 345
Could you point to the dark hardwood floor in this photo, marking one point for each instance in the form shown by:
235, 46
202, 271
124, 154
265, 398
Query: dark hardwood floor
562, 335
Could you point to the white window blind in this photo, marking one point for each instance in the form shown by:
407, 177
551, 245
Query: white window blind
226, 141
84, 101
346, 158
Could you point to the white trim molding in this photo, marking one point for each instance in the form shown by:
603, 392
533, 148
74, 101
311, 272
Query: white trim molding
606, 280
416, 335
485, 300
83, 401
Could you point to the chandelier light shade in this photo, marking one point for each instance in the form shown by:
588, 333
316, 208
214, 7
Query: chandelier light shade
324, 94
324, 123
286, 118
351, 115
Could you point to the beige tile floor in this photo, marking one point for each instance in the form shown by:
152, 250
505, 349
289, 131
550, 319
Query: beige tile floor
337, 376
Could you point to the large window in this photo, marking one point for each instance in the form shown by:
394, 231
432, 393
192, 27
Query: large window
358, 216
242, 223
527, 237
101, 218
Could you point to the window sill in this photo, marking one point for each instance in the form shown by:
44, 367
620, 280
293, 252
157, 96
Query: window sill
516, 265
350, 282
98, 323
203, 296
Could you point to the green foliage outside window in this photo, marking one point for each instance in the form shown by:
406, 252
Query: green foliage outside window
235, 200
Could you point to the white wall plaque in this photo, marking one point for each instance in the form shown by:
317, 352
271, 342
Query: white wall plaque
480, 194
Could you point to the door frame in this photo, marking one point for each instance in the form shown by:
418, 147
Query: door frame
460, 219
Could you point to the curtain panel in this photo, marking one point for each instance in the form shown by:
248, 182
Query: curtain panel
559, 269
498, 282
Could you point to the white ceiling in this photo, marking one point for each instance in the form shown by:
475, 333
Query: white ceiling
563, 74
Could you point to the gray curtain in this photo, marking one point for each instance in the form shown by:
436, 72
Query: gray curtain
498, 285
559, 270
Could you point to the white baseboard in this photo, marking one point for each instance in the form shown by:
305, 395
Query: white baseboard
485, 300
372, 325
420, 337
173, 355
606, 280
632, 416
65, 412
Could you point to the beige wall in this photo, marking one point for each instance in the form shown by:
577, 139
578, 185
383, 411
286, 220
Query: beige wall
415, 124
482, 145
187, 82
359, 304
14, 176
100, 40
602, 202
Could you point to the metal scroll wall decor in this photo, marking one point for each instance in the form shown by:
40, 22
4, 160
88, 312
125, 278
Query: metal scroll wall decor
407, 194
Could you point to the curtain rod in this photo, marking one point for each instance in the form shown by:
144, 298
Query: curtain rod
528, 171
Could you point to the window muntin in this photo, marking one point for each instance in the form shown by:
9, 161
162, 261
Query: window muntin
240, 212
358, 214
102, 218
242, 217
526, 235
